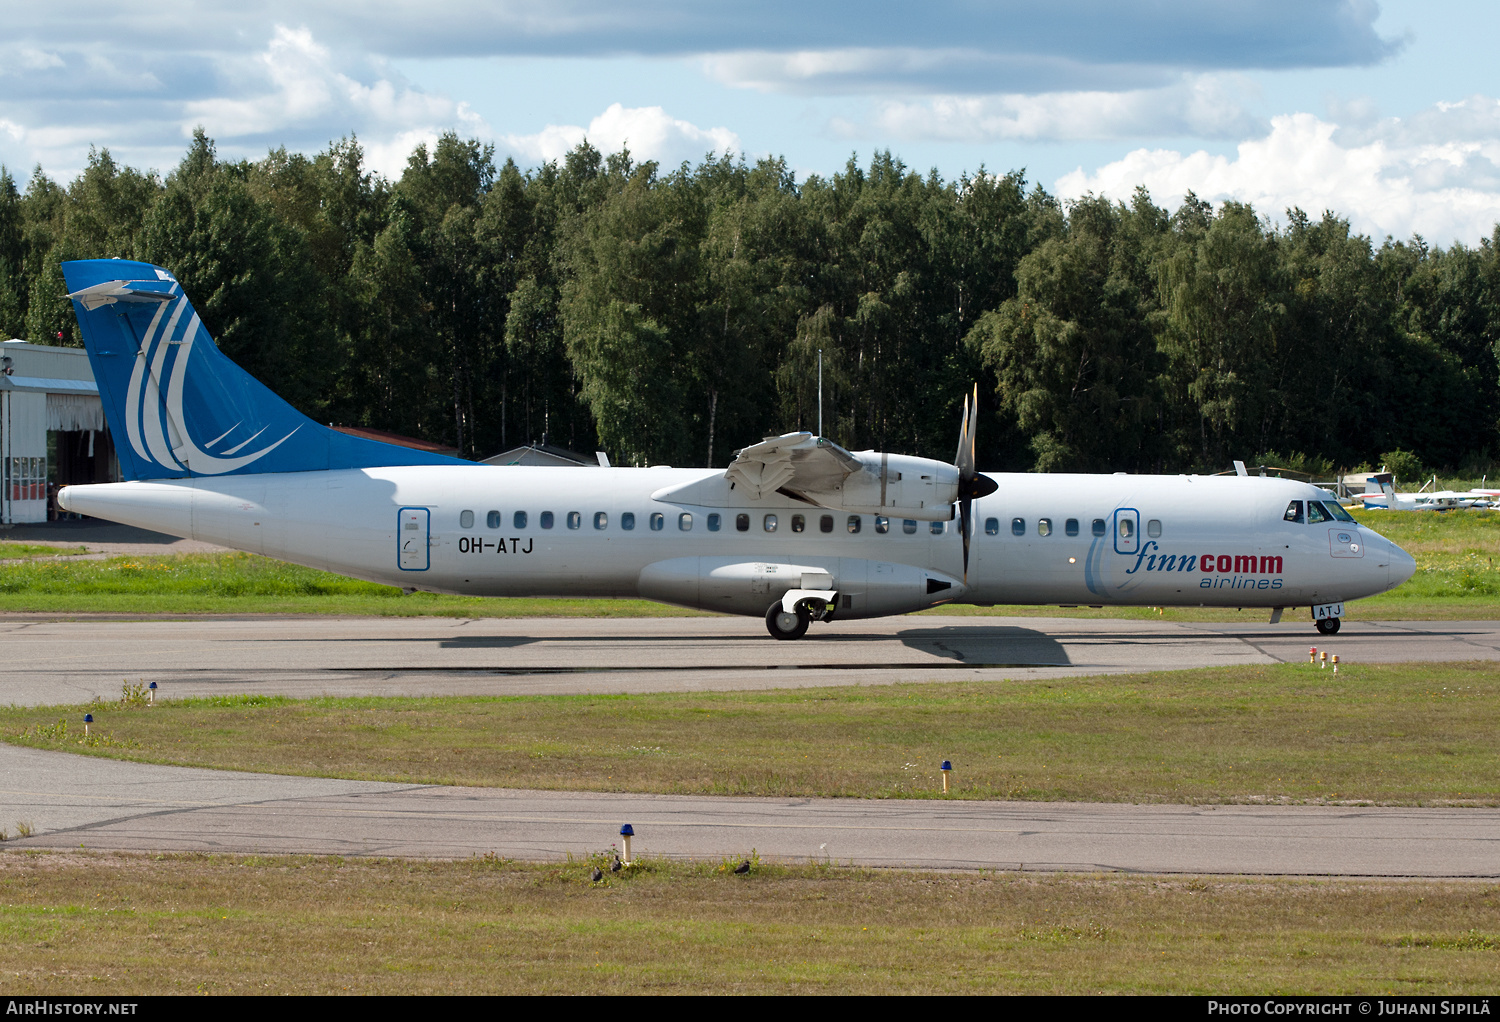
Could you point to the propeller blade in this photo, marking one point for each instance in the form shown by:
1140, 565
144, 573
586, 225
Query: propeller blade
965, 526
971, 485
964, 459
973, 430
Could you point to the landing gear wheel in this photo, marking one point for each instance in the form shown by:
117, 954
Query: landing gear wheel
1328, 626
782, 625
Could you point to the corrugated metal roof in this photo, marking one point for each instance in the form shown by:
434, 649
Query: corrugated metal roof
46, 385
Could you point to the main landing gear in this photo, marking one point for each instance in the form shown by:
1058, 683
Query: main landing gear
1326, 626
783, 625
792, 624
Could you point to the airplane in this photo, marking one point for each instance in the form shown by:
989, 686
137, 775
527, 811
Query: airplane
1387, 499
796, 530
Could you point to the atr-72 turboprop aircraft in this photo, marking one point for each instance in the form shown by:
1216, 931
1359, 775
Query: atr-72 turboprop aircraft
796, 530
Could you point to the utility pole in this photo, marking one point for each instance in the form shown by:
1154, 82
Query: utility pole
820, 392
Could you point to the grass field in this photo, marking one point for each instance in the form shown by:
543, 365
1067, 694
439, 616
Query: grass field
1391, 734
239, 583
1455, 551
11, 550
83, 924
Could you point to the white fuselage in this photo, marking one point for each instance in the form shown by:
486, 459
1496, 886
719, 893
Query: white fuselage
1186, 541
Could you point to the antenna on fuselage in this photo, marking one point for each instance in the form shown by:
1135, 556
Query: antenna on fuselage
820, 392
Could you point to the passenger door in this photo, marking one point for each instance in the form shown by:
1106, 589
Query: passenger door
413, 535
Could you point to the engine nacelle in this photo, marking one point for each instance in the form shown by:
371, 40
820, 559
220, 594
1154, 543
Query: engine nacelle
896, 485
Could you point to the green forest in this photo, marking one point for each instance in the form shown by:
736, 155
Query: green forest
670, 316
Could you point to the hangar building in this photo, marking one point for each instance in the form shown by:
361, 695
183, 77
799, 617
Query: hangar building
52, 429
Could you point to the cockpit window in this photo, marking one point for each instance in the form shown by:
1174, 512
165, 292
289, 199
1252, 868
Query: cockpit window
1293, 512
1337, 510
1316, 514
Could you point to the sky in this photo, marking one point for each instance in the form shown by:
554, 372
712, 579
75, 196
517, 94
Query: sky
1385, 113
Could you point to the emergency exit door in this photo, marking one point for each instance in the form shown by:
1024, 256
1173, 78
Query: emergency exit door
413, 530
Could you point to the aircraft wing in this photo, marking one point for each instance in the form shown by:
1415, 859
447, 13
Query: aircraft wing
795, 461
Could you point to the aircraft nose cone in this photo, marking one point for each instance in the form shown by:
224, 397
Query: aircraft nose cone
1402, 566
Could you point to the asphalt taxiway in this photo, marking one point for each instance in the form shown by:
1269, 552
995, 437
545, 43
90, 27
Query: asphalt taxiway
78, 801
108, 805
53, 661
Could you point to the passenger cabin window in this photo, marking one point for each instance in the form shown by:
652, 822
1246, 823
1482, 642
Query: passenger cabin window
466, 519
798, 523
937, 528
1044, 526
769, 523
1071, 527
657, 521
627, 520
575, 520
601, 520
519, 519
825, 524
492, 520
685, 522
854, 523
1293, 512
1316, 514
714, 522
882, 525
1018, 526
742, 523
1097, 527
1127, 528
909, 526
1153, 528
992, 526
546, 519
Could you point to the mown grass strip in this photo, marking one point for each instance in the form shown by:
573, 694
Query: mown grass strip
240, 583
1414, 734
10, 550
79, 924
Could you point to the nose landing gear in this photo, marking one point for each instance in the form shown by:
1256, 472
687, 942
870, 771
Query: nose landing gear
1328, 626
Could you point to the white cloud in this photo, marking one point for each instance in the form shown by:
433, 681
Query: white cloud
1065, 45
293, 90
1436, 174
910, 70
29, 58
1202, 105
649, 131
295, 84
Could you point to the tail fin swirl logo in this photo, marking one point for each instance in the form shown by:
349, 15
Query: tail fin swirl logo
155, 424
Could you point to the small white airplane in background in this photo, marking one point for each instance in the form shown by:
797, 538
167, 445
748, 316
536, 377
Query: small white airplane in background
1386, 498
796, 530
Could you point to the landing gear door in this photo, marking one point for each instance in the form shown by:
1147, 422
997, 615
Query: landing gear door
1127, 531
413, 529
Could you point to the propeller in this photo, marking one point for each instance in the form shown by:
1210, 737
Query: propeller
971, 485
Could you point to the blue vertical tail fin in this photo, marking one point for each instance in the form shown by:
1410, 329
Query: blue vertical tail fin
177, 406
